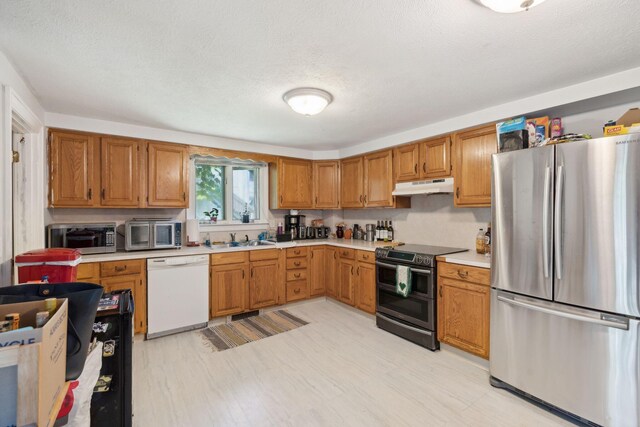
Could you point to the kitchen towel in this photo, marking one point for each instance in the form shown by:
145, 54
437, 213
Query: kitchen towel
403, 280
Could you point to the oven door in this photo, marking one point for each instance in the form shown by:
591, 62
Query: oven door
164, 235
138, 236
418, 308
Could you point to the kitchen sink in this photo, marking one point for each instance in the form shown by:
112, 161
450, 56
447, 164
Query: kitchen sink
242, 244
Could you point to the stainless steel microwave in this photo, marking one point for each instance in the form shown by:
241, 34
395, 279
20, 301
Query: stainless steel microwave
87, 238
146, 234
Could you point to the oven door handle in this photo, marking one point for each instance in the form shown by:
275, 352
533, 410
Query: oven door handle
417, 270
411, 328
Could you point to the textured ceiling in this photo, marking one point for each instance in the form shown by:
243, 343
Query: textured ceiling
221, 67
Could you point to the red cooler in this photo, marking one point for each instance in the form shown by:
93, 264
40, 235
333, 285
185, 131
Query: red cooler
58, 264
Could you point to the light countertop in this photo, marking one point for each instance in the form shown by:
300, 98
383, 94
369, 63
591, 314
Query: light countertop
471, 258
200, 250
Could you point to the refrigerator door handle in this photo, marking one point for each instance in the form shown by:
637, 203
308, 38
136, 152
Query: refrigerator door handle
558, 222
545, 221
604, 319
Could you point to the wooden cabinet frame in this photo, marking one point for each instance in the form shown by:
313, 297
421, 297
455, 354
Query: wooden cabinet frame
472, 167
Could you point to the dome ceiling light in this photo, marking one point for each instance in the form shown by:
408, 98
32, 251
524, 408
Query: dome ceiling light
307, 101
510, 6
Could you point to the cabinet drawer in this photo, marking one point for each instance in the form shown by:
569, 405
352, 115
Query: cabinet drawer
297, 274
263, 254
87, 271
293, 263
297, 252
121, 268
297, 290
465, 273
230, 258
346, 253
366, 256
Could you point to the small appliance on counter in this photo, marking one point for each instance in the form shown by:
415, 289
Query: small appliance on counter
293, 224
152, 233
87, 238
370, 234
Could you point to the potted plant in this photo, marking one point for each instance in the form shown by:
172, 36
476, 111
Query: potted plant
212, 215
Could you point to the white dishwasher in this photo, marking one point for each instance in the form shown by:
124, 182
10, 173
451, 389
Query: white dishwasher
177, 294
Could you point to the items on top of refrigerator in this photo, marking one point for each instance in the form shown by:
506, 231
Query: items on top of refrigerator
512, 135
629, 122
556, 127
538, 130
569, 137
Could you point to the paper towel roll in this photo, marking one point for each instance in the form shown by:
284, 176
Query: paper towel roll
193, 230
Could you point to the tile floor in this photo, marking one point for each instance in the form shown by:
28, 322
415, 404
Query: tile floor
340, 370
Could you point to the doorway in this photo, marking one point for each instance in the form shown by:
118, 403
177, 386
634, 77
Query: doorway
22, 180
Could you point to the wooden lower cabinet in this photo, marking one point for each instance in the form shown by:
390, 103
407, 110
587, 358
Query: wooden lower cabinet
120, 275
262, 289
346, 279
316, 271
330, 271
463, 311
228, 289
365, 289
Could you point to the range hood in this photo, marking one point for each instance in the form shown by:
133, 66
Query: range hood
432, 186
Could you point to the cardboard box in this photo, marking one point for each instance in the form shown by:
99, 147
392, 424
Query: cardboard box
512, 135
628, 123
36, 360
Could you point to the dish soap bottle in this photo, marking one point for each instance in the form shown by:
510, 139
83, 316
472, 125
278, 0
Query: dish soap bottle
245, 214
480, 247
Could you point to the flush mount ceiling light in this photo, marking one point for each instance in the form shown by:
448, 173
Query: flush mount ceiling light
510, 6
307, 101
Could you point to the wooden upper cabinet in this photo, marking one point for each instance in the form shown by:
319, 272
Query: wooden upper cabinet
435, 158
378, 179
472, 167
168, 178
73, 170
406, 162
326, 184
292, 184
352, 183
120, 167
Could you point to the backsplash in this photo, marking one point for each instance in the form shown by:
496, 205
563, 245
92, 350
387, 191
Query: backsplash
431, 220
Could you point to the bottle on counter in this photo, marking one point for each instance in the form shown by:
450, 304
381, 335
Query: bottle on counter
280, 229
390, 232
487, 241
385, 232
378, 231
480, 241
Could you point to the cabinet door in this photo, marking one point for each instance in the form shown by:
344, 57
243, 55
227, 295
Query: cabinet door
352, 183
326, 184
317, 280
132, 282
330, 271
168, 178
406, 159
378, 179
228, 291
366, 287
120, 172
472, 166
346, 274
435, 157
140, 314
263, 289
295, 183
73, 170
463, 316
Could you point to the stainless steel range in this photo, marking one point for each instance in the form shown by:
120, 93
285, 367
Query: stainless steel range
413, 317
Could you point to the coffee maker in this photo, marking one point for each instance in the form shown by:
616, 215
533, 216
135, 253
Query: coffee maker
292, 224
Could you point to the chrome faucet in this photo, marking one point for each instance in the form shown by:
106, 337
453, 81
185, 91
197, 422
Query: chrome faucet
246, 238
233, 237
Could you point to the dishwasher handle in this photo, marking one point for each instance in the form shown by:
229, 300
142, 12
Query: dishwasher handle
177, 261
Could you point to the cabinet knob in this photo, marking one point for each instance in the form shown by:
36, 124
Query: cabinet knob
440, 291
102, 193
463, 274
457, 192
296, 275
424, 167
365, 199
297, 263
90, 194
415, 168
361, 198
120, 268
296, 291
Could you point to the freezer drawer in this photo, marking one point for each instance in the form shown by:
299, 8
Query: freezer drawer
581, 361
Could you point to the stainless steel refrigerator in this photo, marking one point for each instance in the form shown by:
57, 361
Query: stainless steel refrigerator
565, 275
